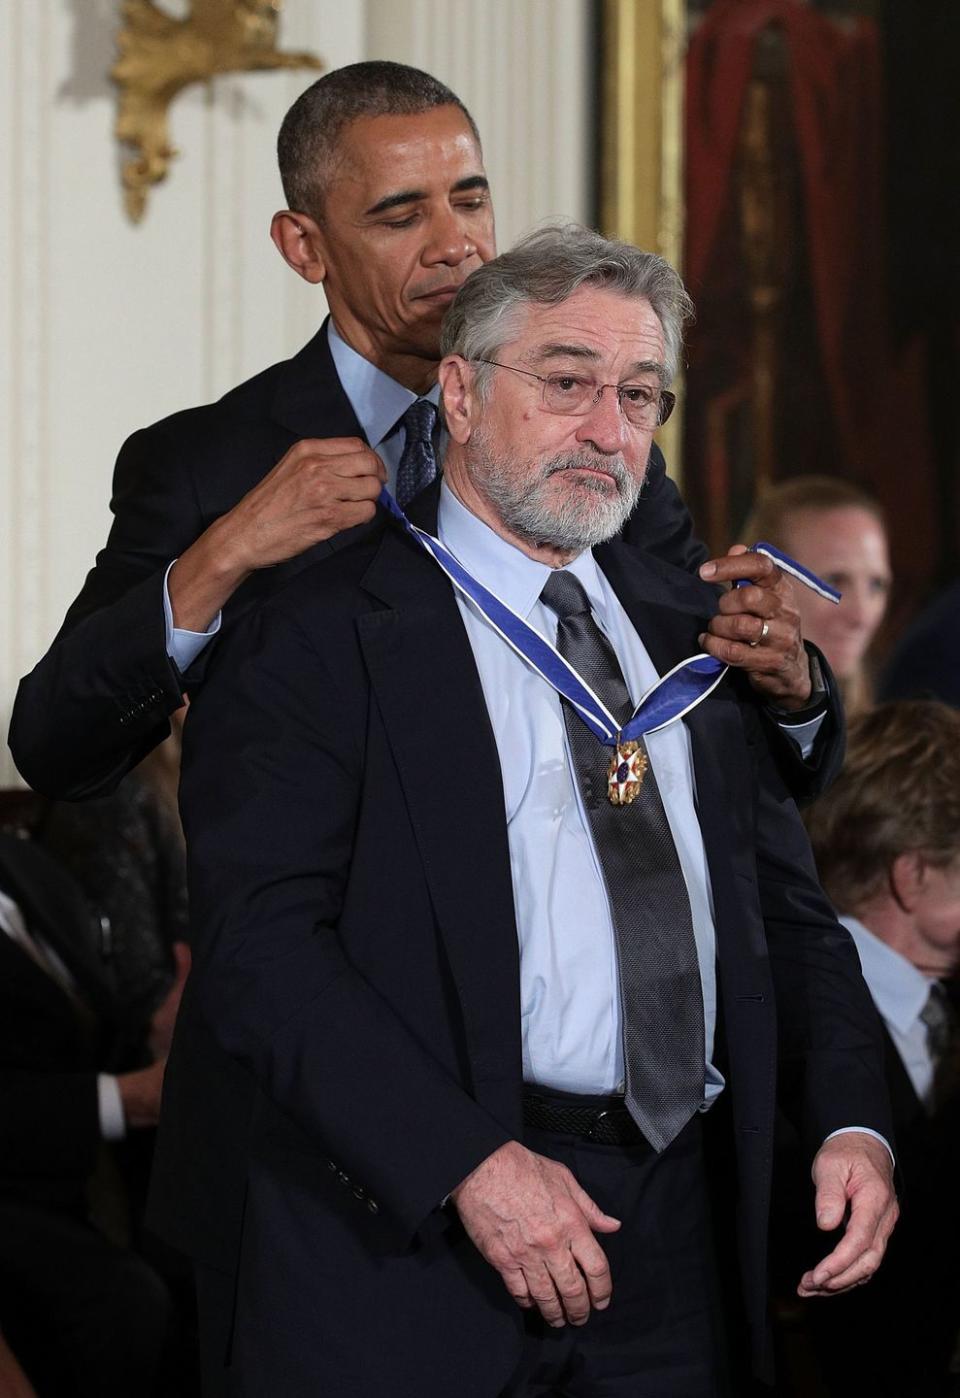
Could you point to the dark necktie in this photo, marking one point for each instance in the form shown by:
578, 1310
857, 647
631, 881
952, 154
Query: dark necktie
943, 1044
660, 994
418, 464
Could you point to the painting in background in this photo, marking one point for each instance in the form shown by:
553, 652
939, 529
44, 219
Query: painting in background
821, 242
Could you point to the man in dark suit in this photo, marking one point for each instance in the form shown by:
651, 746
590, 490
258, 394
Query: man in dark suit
434, 1113
887, 843
389, 213
84, 1312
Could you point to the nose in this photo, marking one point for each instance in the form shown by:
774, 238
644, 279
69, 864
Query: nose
450, 242
857, 607
604, 425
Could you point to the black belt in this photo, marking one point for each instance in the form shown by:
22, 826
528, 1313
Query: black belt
601, 1119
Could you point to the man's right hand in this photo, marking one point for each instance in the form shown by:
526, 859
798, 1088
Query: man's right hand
140, 1094
531, 1221
317, 489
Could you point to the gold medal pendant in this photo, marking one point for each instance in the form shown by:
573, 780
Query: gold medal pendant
625, 773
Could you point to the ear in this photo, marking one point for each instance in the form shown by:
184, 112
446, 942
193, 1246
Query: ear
907, 879
297, 239
455, 376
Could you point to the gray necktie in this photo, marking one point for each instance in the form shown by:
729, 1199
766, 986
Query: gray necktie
661, 998
943, 1044
418, 464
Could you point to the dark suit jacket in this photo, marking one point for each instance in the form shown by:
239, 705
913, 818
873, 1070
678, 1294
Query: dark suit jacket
100, 697
348, 1047
49, 1052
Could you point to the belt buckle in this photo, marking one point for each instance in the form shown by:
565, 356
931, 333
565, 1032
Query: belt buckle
592, 1133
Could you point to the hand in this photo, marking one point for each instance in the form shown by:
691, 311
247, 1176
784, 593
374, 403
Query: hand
140, 1095
165, 1015
530, 1219
851, 1171
317, 489
776, 663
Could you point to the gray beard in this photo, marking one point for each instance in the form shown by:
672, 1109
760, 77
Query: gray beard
585, 518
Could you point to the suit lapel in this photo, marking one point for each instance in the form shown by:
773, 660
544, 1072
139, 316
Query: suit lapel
309, 400
424, 677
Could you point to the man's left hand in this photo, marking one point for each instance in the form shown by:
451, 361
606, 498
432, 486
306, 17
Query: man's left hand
853, 1174
758, 627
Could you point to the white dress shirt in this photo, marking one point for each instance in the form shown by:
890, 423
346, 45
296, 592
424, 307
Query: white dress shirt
900, 993
569, 989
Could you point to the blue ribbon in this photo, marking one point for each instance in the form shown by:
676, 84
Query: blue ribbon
673, 695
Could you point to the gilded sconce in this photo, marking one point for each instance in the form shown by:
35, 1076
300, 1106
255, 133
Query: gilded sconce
161, 55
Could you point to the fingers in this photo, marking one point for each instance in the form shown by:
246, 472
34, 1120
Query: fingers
855, 1258
740, 563
531, 1220
348, 456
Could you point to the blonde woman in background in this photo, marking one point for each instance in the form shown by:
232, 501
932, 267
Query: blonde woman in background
837, 530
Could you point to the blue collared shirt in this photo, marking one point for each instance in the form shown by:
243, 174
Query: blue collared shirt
569, 990
900, 992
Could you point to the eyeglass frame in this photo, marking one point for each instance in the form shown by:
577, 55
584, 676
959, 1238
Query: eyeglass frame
667, 399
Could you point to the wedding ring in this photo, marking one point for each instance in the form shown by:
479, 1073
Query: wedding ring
764, 633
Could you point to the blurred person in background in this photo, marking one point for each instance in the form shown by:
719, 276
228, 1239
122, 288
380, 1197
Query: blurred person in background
126, 852
836, 530
886, 838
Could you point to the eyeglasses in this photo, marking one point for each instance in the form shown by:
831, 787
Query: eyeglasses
574, 395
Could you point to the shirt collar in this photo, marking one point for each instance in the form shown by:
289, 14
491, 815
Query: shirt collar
898, 989
504, 569
377, 400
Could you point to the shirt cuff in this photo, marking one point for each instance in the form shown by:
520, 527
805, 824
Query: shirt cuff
183, 647
804, 735
866, 1131
113, 1125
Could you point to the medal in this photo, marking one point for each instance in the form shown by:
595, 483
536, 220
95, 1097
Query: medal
625, 773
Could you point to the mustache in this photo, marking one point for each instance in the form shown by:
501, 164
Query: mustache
614, 466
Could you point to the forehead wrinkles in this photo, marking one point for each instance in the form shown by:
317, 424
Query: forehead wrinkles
607, 326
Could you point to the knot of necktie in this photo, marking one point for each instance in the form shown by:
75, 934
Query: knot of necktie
419, 420
418, 464
564, 594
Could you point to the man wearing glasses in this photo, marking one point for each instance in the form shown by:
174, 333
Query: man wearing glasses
488, 957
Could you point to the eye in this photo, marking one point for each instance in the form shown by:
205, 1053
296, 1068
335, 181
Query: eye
640, 393
406, 222
569, 384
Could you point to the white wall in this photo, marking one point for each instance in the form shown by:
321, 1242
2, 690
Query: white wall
105, 325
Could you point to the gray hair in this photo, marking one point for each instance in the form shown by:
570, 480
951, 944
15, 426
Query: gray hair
547, 267
310, 134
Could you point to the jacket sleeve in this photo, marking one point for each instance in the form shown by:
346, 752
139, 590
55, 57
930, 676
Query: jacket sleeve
99, 699
830, 1040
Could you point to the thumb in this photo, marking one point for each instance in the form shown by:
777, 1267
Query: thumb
596, 1218
830, 1202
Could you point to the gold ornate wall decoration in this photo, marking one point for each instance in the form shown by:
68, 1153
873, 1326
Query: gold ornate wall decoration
641, 123
161, 55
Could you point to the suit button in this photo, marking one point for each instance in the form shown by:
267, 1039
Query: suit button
343, 1178
358, 1192
331, 1165
373, 1206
